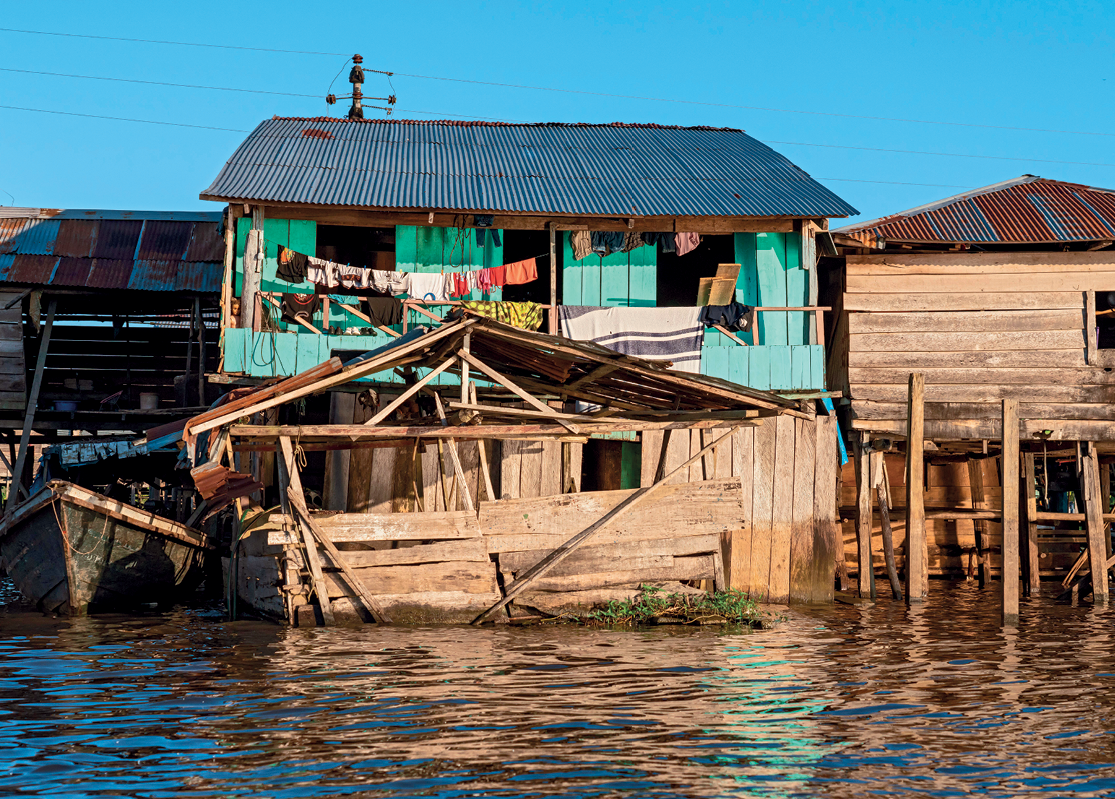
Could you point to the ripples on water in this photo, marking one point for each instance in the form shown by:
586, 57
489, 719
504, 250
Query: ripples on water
838, 701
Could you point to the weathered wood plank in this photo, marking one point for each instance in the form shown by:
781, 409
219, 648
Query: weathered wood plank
802, 550
988, 393
530, 476
1085, 376
679, 510
965, 321
590, 557
967, 342
1002, 359
699, 567
354, 527
359, 467
551, 468
743, 467
467, 577
782, 517
987, 411
964, 301
975, 281
762, 510
979, 263
917, 556
510, 468
1011, 555
827, 543
1093, 511
651, 451
382, 484
463, 550
862, 456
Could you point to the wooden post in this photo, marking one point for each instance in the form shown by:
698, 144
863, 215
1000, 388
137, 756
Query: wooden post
979, 500
917, 552
32, 407
1090, 342
290, 484
201, 354
1030, 502
465, 397
253, 263
1010, 512
1105, 501
553, 282
863, 515
227, 318
1093, 512
189, 361
882, 491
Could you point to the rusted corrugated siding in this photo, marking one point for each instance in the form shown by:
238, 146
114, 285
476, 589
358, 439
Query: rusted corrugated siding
206, 244
117, 239
32, 269
110, 273
1022, 211
164, 240
76, 238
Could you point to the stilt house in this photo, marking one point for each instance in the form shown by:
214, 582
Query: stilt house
423, 199
1006, 293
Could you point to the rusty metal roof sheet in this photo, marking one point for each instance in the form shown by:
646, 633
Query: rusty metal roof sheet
1026, 210
132, 250
609, 170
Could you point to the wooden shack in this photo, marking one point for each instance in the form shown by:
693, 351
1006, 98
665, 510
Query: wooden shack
108, 322
427, 199
1001, 295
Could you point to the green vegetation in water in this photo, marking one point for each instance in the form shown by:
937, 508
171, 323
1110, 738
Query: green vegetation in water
653, 605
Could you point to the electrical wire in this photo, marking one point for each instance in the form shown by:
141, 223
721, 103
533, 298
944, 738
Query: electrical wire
899, 183
584, 91
119, 119
929, 152
156, 83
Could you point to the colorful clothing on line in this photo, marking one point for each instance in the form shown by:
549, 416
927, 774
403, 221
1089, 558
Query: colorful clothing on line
581, 241
686, 242
527, 315
430, 286
520, 272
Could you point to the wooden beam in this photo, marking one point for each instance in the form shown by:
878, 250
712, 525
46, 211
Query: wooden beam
1011, 540
290, 484
553, 321
880, 481
361, 315
298, 505
975, 485
917, 552
460, 473
1093, 508
32, 406
485, 471
863, 516
410, 392
1030, 504
559, 554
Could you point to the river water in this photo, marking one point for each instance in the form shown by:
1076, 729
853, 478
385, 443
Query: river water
837, 701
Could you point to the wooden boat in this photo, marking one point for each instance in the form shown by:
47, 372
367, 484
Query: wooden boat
71, 551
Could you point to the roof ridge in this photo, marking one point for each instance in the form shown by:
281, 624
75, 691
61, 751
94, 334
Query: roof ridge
494, 124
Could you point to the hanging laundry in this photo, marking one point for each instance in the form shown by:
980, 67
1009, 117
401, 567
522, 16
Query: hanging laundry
484, 280
581, 242
320, 273
735, 316
632, 241
460, 284
664, 239
495, 237
657, 334
353, 277
607, 242
383, 310
430, 286
498, 275
334, 275
527, 315
520, 272
386, 282
292, 265
686, 242
302, 307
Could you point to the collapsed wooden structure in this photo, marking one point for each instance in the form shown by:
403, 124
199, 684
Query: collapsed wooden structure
717, 506
972, 343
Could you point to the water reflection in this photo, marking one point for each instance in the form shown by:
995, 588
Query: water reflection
842, 701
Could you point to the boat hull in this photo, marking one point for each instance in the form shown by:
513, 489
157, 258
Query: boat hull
72, 551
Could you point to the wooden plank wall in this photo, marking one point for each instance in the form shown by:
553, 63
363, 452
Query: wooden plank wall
785, 550
980, 327
13, 366
621, 279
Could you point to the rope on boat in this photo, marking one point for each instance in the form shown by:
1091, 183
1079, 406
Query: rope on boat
66, 532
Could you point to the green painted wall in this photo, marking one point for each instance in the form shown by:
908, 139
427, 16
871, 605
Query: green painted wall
622, 279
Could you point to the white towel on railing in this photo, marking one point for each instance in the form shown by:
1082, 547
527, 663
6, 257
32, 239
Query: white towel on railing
657, 334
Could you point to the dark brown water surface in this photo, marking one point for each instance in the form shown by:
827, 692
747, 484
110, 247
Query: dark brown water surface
838, 701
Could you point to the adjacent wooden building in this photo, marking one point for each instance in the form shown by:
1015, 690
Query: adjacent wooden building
1006, 293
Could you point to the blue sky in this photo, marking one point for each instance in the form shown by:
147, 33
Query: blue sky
1012, 64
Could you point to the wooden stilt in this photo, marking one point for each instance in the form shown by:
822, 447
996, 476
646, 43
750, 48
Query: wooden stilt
917, 552
1093, 512
1010, 512
32, 406
1030, 503
200, 352
863, 515
879, 478
1105, 501
979, 501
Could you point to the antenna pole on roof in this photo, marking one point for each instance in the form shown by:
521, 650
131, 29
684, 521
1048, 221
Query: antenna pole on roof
356, 78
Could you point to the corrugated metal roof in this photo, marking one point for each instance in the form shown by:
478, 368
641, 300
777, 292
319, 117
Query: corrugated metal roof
545, 168
136, 250
1026, 210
